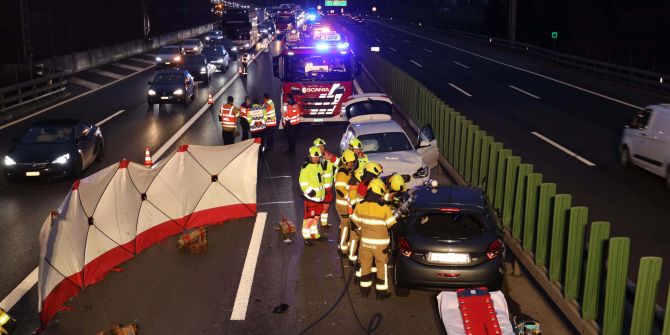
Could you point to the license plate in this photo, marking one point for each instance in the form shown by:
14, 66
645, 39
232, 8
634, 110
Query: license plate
448, 258
165, 98
32, 174
318, 120
167, 63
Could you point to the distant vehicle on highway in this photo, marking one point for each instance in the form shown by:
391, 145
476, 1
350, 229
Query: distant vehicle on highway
449, 240
54, 149
169, 56
214, 36
358, 19
646, 141
385, 142
191, 46
266, 29
171, 86
198, 67
217, 56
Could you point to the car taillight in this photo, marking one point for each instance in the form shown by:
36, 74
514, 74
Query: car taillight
404, 247
495, 249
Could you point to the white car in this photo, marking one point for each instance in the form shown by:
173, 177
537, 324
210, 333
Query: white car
646, 141
385, 142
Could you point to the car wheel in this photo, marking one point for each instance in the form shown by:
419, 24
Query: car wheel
667, 178
207, 80
624, 157
151, 105
100, 150
193, 96
78, 170
500, 286
399, 291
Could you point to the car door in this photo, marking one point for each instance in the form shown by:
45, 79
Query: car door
427, 146
85, 143
657, 146
637, 132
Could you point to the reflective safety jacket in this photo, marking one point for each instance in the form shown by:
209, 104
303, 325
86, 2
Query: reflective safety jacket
244, 111
374, 220
328, 173
291, 115
229, 115
352, 193
270, 113
362, 159
257, 118
342, 178
311, 179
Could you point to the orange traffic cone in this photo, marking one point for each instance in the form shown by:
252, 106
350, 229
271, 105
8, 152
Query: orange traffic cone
147, 158
210, 100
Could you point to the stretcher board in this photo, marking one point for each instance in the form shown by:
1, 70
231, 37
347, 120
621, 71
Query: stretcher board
447, 303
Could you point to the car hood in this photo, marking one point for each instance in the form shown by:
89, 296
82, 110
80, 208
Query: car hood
402, 162
165, 87
39, 153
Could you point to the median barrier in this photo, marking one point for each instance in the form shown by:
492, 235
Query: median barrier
546, 233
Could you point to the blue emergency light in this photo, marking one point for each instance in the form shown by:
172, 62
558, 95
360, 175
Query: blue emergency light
322, 46
342, 45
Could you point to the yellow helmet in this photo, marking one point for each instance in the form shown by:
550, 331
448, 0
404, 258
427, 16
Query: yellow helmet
358, 174
374, 168
355, 143
348, 156
319, 141
397, 183
315, 152
377, 186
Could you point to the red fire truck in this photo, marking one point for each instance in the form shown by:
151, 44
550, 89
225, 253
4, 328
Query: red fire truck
319, 72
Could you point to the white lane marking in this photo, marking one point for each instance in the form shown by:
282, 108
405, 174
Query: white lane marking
109, 118
249, 269
197, 115
406, 41
378, 40
463, 65
84, 83
140, 60
359, 90
17, 293
460, 90
562, 148
107, 73
524, 92
394, 50
431, 51
415, 63
70, 99
517, 68
128, 67
276, 203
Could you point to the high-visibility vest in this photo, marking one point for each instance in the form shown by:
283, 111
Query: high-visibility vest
328, 173
342, 189
244, 111
374, 221
270, 112
362, 159
229, 114
311, 179
292, 115
257, 118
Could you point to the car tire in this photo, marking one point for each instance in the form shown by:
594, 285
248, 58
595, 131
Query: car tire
100, 150
78, 170
624, 157
399, 291
667, 178
150, 105
207, 79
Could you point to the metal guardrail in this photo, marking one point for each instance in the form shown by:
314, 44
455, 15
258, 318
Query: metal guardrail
27, 92
544, 231
619, 73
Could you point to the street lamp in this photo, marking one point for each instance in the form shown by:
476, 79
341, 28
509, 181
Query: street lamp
374, 9
318, 7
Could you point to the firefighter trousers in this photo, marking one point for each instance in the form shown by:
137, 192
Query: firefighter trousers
376, 253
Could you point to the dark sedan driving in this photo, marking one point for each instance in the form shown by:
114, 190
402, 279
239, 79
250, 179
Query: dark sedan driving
171, 86
450, 240
54, 149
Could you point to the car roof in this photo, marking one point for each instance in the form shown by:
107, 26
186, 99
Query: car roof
376, 127
450, 196
663, 108
57, 122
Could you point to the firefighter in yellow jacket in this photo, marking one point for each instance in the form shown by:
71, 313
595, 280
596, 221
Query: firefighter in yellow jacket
311, 184
352, 201
373, 217
342, 177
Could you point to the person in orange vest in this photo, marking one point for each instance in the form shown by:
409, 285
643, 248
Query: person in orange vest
244, 122
228, 117
290, 120
271, 122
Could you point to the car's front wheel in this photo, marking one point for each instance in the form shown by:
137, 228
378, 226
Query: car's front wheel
624, 156
399, 291
100, 150
150, 105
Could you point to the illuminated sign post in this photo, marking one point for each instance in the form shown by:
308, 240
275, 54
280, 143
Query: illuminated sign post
336, 3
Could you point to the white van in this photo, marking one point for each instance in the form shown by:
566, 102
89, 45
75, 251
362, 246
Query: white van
646, 141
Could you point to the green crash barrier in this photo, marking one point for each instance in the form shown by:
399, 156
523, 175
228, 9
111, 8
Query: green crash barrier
600, 233
492, 175
511, 168
562, 203
648, 277
469, 153
666, 323
453, 120
443, 130
484, 161
533, 182
501, 173
615, 285
545, 201
460, 120
519, 199
463, 151
579, 216
476, 157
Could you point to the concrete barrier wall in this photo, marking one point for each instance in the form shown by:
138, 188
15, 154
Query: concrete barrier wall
85, 60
